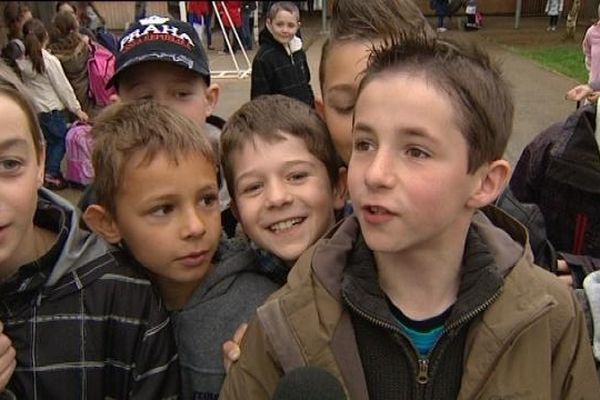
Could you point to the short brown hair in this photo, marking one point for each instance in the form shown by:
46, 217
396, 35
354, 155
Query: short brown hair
269, 117
283, 6
362, 20
474, 84
123, 129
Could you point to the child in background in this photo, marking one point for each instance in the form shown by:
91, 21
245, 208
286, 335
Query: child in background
72, 50
280, 65
84, 320
198, 16
44, 77
15, 15
442, 10
157, 189
232, 24
435, 291
553, 9
591, 50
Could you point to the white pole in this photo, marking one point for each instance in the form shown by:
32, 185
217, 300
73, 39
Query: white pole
182, 11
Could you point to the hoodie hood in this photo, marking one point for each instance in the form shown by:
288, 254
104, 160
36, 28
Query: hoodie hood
80, 248
233, 257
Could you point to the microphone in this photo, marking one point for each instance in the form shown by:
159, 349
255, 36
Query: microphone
309, 383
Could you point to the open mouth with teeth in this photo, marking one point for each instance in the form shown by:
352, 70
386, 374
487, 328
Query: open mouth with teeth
283, 226
377, 210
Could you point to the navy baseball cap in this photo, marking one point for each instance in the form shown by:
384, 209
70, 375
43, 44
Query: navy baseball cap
157, 38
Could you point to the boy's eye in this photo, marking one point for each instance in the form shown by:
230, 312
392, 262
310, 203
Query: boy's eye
416, 152
344, 110
144, 97
182, 94
162, 210
10, 165
251, 188
363, 145
297, 176
209, 200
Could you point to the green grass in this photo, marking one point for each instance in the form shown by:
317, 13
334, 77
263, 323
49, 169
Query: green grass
566, 59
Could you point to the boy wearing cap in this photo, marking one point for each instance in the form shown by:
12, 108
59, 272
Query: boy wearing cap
162, 59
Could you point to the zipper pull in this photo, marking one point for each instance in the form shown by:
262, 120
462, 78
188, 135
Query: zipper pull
423, 376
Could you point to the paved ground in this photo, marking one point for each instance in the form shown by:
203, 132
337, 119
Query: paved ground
539, 93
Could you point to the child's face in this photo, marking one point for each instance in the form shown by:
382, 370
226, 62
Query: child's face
283, 196
343, 67
407, 176
170, 85
168, 215
284, 26
21, 175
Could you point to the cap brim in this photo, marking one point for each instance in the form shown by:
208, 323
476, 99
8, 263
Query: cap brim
170, 58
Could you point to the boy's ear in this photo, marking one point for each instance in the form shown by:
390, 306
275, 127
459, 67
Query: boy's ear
340, 189
212, 98
100, 221
320, 106
492, 179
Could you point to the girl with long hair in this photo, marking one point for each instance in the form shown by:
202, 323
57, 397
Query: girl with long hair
52, 93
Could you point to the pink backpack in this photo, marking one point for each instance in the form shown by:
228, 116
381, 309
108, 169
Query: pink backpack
79, 154
101, 67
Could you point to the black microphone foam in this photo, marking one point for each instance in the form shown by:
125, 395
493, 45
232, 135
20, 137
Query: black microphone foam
309, 383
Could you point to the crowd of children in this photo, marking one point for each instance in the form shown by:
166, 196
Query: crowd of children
366, 246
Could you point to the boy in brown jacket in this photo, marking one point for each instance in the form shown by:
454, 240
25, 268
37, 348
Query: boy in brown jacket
426, 292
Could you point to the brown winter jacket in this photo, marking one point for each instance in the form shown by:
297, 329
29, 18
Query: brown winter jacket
530, 343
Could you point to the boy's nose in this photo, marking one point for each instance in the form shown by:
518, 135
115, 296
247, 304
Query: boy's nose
379, 173
277, 194
192, 225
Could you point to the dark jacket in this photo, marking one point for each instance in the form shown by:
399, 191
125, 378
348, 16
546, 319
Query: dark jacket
518, 330
228, 296
560, 172
85, 321
275, 71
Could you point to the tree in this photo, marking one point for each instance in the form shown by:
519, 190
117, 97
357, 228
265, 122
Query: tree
572, 19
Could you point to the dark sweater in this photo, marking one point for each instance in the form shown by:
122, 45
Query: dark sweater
393, 369
274, 71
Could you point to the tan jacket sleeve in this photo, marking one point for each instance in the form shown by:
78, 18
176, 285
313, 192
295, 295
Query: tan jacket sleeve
256, 374
573, 369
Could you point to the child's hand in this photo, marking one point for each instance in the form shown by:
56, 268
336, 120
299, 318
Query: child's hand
8, 362
564, 272
231, 348
82, 116
579, 92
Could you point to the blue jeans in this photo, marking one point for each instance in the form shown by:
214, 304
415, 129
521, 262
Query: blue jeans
54, 127
246, 30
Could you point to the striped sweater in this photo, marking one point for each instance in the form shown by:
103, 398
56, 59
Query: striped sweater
85, 321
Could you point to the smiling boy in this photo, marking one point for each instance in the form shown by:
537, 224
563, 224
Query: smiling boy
284, 176
280, 65
422, 294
